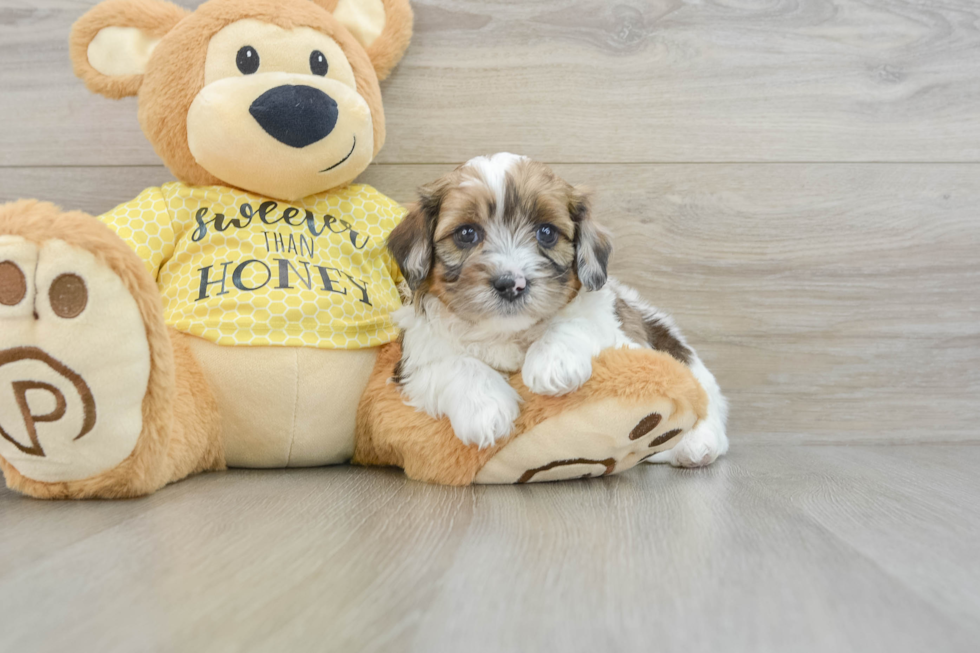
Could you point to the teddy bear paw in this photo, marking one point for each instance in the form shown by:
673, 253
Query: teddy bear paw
74, 362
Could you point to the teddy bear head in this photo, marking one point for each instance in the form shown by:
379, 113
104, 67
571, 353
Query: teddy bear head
276, 97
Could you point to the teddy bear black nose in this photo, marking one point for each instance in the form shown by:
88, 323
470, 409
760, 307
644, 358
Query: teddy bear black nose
295, 115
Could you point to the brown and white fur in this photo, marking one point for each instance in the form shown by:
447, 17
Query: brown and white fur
508, 272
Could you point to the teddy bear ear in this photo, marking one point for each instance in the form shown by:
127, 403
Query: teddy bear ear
383, 27
111, 44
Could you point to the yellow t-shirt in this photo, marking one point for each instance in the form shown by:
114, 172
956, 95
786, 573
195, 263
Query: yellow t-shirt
240, 269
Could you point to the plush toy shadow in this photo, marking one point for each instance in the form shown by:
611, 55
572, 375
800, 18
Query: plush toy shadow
235, 316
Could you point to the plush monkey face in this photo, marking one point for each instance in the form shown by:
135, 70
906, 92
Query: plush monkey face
277, 97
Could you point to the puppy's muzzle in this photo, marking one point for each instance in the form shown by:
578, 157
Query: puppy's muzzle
510, 286
296, 116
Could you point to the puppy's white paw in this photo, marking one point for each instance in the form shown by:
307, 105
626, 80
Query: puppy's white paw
482, 420
700, 447
549, 370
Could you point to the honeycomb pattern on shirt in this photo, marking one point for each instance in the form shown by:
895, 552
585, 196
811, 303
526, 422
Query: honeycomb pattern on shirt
240, 269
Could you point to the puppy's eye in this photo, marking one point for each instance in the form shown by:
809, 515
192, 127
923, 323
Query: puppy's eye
467, 236
547, 235
318, 63
247, 60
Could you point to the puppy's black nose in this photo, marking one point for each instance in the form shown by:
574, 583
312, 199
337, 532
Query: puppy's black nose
509, 287
295, 115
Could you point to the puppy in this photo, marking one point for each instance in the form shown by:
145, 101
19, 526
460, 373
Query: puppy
507, 271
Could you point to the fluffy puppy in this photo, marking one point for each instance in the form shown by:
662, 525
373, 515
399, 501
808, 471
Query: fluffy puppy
508, 272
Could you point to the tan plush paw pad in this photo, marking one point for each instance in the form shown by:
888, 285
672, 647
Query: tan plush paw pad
74, 362
600, 438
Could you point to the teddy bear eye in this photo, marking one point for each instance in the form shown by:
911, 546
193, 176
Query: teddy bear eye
318, 63
247, 60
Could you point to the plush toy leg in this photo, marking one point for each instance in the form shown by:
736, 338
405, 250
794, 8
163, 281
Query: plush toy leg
97, 397
637, 403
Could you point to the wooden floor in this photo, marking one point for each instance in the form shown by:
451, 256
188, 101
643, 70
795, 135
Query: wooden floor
797, 181
801, 548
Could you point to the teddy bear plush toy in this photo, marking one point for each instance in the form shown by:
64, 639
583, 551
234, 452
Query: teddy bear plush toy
240, 315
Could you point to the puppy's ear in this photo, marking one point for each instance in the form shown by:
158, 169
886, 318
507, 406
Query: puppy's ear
411, 241
593, 244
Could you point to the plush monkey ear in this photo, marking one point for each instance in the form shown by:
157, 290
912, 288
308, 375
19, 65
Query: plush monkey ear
111, 44
593, 245
410, 243
383, 27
